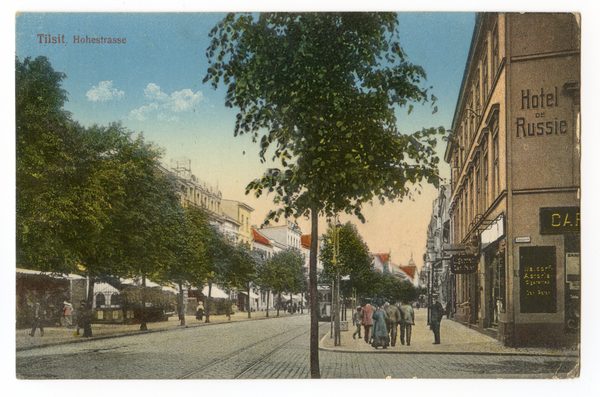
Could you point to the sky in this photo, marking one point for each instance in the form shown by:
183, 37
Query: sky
152, 84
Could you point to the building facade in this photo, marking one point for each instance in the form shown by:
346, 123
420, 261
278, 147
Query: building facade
439, 281
242, 213
514, 155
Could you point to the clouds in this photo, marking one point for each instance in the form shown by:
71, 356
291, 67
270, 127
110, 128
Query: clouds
163, 106
104, 92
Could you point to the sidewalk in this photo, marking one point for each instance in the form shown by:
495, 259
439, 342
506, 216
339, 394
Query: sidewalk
455, 339
61, 335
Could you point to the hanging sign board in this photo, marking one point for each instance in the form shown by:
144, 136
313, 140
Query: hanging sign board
464, 264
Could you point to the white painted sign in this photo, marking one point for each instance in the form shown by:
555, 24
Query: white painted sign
493, 232
522, 239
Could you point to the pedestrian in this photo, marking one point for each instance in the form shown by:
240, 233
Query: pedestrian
437, 311
367, 322
356, 318
407, 320
380, 335
38, 316
66, 312
200, 312
80, 314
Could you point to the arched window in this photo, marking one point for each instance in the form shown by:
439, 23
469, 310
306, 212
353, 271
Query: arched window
115, 299
100, 300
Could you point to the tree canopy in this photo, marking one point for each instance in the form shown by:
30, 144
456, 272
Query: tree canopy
322, 88
353, 259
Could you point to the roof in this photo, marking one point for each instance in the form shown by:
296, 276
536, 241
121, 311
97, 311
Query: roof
409, 270
305, 241
260, 239
384, 258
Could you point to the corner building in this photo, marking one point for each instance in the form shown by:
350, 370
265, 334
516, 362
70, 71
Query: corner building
514, 155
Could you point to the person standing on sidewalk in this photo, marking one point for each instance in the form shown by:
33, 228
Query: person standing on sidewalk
357, 318
367, 322
39, 315
437, 311
67, 310
407, 320
80, 315
380, 335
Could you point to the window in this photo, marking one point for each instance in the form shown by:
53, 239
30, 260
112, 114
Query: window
496, 155
115, 299
477, 95
495, 51
100, 300
478, 190
485, 179
484, 69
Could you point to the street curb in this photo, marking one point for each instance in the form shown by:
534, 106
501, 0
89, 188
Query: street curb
382, 351
137, 333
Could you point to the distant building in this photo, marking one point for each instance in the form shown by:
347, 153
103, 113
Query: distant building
242, 213
439, 283
283, 237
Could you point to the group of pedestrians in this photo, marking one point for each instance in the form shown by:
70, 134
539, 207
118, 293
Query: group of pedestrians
379, 323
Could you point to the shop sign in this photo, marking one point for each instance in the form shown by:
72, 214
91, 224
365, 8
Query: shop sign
521, 240
464, 263
559, 220
537, 273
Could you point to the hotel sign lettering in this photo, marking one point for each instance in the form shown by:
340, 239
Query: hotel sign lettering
559, 220
540, 102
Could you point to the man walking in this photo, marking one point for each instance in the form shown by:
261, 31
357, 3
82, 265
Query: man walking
407, 320
357, 318
437, 311
367, 322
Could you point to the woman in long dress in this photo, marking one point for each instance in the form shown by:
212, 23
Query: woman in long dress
380, 336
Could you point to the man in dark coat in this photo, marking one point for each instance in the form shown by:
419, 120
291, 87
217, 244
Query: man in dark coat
437, 311
407, 320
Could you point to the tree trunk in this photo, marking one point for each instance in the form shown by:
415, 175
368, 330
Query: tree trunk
302, 302
87, 317
278, 303
181, 311
268, 297
249, 305
143, 325
314, 302
207, 303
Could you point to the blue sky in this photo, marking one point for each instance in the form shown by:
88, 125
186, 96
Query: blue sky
153, 84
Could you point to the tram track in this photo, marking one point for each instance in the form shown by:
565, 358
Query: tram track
221, 360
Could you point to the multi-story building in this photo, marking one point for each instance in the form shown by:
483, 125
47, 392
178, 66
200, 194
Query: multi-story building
514, 155
439, 282
242, 213
282, 237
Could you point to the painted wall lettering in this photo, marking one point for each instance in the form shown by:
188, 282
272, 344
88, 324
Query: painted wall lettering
541, 101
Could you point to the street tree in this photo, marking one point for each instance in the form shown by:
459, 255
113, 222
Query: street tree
189, 264
353, 260
283, 272
90, 201
239, 270
319, 92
